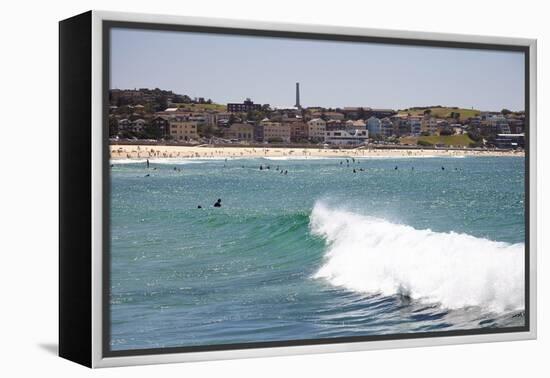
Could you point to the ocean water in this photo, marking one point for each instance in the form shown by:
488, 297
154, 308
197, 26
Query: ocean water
320, 252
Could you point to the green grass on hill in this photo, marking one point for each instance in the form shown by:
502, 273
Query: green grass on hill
448, 140
202, 107
443, 112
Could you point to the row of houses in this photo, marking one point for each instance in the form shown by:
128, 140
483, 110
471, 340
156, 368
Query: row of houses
288, 132
177, 128
325, 126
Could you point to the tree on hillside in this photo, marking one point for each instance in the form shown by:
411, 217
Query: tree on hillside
454, 115
505, 111
113, 126
427, 111
475, 136
150, 131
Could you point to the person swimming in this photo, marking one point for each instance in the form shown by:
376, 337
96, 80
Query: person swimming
199, 207
218, 203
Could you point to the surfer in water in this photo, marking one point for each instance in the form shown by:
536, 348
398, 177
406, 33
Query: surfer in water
218, 203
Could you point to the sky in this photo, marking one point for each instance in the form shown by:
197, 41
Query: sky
230, 68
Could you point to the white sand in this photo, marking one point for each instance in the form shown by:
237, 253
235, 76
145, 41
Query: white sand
143, 151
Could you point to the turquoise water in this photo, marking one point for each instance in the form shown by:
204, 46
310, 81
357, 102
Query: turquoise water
317, 253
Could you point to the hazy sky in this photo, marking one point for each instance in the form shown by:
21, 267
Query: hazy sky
332, 74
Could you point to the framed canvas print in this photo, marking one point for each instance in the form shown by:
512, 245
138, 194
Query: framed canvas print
235, 189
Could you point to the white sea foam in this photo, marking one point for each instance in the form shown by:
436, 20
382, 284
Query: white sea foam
169, 161
371, 255
396, 157
298, 157
126, 161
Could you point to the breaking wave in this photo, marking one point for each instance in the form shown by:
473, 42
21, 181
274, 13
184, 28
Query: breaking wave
371, 255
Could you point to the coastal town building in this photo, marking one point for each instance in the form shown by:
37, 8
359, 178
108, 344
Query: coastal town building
298, 131
415, 125
353, 112
316, 129
453, 129
400, 125
375, 127
355, 125
343, 137
386, 127
246, 106
162, 124
275, 131
499, 124
428, 125
136, 126
123, 124
510, 141
378, 112
240, 131
516, 124
328, 115
183, 130
334, 124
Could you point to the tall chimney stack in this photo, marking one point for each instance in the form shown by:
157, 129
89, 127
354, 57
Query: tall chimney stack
298, 96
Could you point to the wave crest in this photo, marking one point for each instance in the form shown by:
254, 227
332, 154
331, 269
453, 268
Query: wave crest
371, 255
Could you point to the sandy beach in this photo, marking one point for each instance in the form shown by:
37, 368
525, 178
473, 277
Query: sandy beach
152, 151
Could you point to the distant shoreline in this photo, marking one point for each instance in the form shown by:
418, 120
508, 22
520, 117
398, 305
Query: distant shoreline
142, 151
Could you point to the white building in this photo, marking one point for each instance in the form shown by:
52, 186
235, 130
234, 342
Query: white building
316, 129
499, 124
343, 137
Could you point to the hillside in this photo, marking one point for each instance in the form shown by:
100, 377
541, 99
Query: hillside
442, 112
201, 107
448, 140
